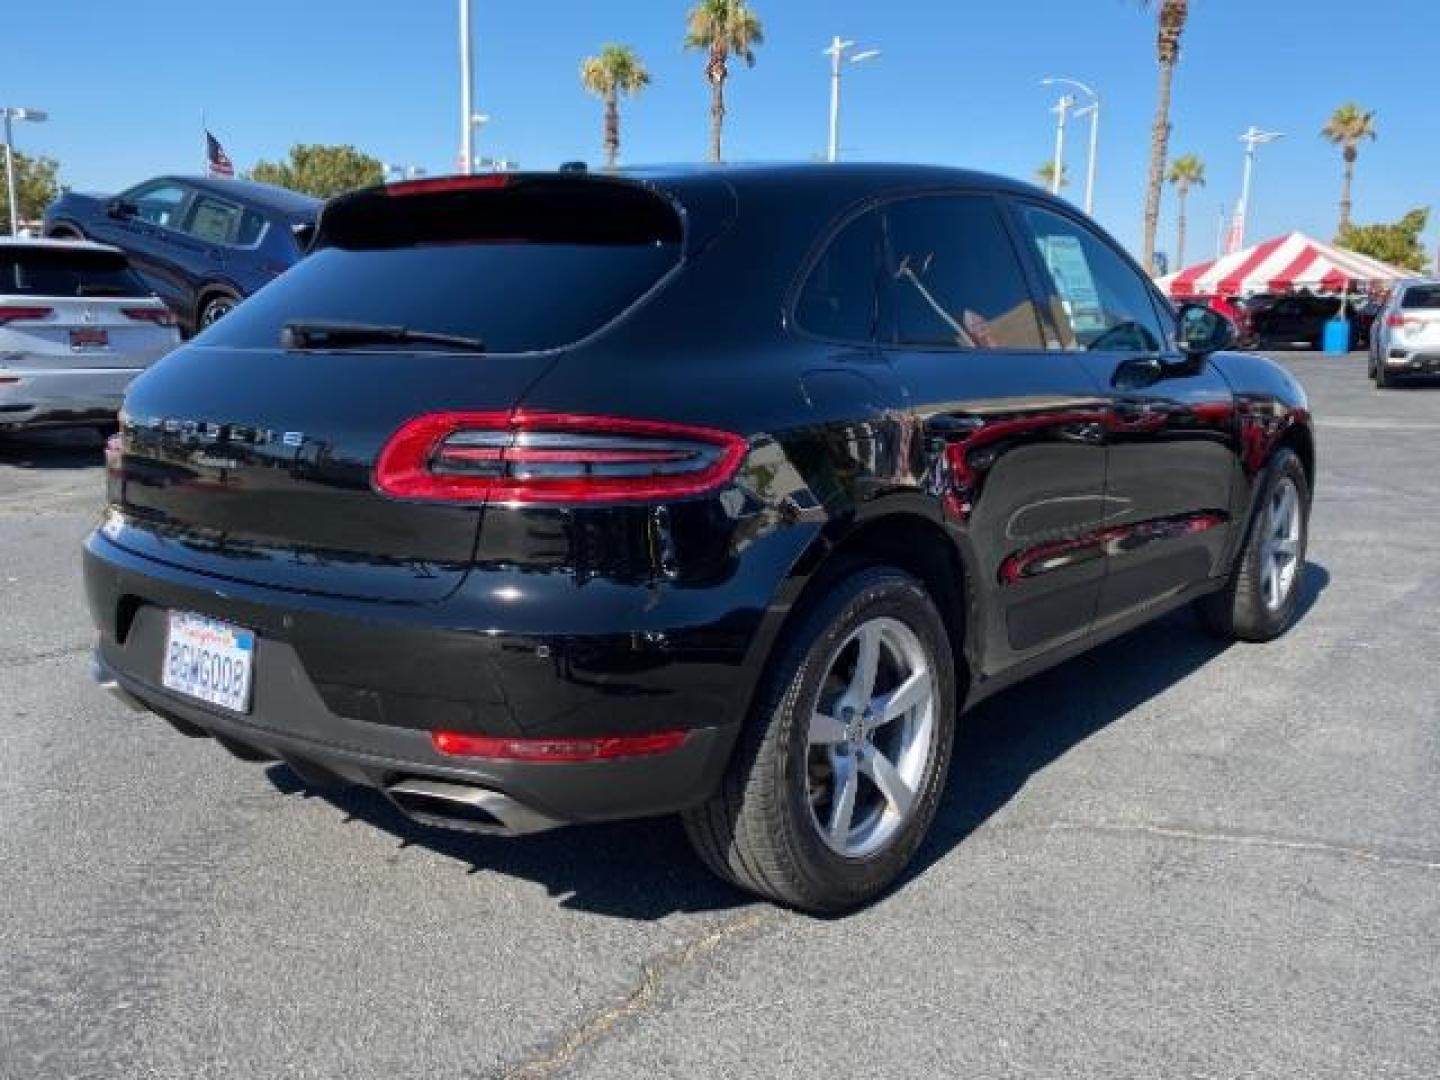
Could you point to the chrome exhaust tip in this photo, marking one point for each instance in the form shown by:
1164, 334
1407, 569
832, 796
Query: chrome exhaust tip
466, 808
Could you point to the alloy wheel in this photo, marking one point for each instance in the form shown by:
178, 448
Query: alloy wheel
871, 738
1280, 547
216, 310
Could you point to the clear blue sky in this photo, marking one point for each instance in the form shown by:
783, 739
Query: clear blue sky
125, 84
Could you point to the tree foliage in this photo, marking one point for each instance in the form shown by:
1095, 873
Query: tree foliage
37, 185
321, 170
616, 72
1045, 175
1397, 243
722, 29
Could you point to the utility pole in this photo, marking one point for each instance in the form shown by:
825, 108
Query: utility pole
1093, 111
836, 52
467, 104
1252, 138
1061, 110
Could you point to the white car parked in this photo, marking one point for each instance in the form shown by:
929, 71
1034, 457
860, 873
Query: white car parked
1405, 339
76, 325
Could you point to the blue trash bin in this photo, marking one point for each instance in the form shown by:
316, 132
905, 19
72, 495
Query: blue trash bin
1337, 337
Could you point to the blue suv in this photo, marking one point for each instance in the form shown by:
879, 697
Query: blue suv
202, 244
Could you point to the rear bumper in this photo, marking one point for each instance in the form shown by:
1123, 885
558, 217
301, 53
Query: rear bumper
350, 691
1426, 360
73, 396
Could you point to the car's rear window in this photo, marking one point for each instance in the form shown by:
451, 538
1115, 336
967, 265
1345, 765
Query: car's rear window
536, 268
1421, 296
60, 271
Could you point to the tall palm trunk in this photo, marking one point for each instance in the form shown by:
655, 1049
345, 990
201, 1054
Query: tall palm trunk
1159, 149
717, 72
612, 130
1349, 178
1180, 194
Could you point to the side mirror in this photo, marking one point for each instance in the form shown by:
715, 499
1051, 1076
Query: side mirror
119, 208
1202, 330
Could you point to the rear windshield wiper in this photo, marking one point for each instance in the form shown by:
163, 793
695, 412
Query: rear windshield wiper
332, 335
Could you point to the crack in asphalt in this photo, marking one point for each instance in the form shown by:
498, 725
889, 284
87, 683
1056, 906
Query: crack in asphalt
41, 657
653, 975
1243, 839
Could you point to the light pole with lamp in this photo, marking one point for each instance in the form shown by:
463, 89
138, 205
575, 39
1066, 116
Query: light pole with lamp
836, 52
468, 118
11, 114
1251, 138
1093, 111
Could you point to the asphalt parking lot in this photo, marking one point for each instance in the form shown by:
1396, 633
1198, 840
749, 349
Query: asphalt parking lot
1166, 858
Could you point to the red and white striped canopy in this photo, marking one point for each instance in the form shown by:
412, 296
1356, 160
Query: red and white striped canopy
1287, 263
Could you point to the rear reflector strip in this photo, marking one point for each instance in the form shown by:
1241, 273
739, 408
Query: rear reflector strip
553, 458
15, 313
603, 748
160, 316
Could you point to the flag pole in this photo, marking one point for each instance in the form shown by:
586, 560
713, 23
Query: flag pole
204, 144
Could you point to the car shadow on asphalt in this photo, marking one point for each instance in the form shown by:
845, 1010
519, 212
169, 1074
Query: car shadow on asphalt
1012, 736
645, 869
64, 448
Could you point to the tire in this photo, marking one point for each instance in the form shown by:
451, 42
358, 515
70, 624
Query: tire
65, 232
215, 308
762, 829
1250, 607
1384, 380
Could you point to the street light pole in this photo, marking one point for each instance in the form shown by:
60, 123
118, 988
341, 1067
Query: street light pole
1057, 171
1252, 138
11, 114
1093, 111
836, 52
467, 104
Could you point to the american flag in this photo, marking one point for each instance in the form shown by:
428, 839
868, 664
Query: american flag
217, 161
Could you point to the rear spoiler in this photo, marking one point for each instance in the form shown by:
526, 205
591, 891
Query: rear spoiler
541, 208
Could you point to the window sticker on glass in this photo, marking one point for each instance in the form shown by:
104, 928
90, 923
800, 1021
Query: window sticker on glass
1066, 261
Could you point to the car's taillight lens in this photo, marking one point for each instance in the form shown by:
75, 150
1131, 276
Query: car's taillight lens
19, 312
598, 748
158, 316
1395, 320
553, 458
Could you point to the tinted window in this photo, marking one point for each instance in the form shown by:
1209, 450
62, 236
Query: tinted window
839, 297
954, 279
214, 221
159, 204
517, 297
252, 224
67, 272
1100, 302
1421, 296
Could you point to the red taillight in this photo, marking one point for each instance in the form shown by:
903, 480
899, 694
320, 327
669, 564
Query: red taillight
437, 184
160, 316
599, 748
553, 458
1394, 320
17, 312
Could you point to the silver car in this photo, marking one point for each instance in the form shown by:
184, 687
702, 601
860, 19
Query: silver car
1405, 339
76, 325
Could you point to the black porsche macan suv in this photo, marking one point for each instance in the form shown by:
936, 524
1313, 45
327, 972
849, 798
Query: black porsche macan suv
552, 498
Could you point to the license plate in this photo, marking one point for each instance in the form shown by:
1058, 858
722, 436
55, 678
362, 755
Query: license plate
209, 661
87, 337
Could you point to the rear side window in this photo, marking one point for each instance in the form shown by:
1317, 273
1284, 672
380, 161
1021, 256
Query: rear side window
840, 295
67, 272
214, 221
1100, 302
1421, 297
954, 279
535, 268
252, 224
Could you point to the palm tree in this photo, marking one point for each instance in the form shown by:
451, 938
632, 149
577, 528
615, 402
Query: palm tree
723, 28
1348, 126
1173, 14
1045, 175
1185, 172
616, 71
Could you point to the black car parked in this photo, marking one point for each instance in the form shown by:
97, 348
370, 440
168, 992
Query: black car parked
1300, 318
202, 244
553, 498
